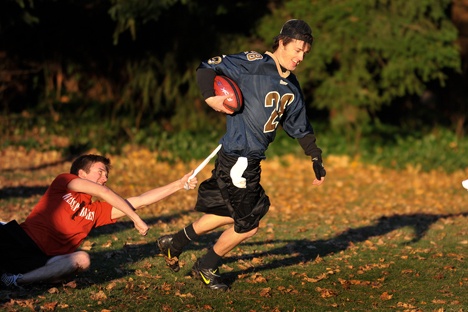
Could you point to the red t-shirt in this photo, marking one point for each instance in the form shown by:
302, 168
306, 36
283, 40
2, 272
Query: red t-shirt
62, 219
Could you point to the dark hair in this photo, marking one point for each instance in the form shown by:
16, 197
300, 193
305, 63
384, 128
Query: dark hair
85, 162
294, 29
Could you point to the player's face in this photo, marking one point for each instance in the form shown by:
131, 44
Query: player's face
97, 173
292, 54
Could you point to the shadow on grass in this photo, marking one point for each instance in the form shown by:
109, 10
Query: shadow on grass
28, 191
68, 158
42, 166
22, 191
113, 264
68, 153
307, 250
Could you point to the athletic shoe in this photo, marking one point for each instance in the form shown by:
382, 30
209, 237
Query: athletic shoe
171, 255
10, 279
208, 277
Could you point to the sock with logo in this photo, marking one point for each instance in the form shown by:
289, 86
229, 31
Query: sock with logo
184, 237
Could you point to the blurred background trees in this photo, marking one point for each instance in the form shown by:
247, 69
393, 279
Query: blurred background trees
123, 71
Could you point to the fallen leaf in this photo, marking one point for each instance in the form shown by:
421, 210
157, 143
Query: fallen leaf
107, 244
326, 293
405, 305
258, 278
386, 296
71, 284
53, 290
439, 301
99, 296
87, 245
49, 306
187, 295
265, 292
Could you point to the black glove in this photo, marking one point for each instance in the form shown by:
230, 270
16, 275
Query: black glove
317, 165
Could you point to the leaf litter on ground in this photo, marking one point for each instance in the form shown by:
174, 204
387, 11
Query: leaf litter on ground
361, 209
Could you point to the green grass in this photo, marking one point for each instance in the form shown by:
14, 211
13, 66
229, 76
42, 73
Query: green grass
390, 146
369, 239
295, 269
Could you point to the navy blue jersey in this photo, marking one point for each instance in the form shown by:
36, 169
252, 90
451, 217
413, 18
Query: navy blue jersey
271, 97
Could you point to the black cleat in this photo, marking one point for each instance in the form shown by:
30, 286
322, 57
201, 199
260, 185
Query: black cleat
171, 255
209, 277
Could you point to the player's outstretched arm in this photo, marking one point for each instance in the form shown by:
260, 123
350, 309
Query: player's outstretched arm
157, 194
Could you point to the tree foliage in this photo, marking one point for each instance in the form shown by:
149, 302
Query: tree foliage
369, 53
133, 61
136, 57
128, 14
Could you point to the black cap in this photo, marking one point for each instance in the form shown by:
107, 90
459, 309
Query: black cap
297, 29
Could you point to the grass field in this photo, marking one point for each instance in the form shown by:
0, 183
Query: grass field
370, 238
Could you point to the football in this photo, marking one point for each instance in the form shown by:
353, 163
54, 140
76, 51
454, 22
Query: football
225, 86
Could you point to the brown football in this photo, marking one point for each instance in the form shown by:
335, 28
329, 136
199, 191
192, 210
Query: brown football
225, 86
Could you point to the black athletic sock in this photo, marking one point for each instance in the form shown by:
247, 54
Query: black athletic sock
184, 237
211, 260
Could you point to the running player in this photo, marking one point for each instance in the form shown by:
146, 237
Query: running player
233, 195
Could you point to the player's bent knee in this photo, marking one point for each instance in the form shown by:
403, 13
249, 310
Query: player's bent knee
251, 233
81, 260
254, 231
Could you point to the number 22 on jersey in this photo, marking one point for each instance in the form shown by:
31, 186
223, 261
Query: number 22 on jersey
271, 99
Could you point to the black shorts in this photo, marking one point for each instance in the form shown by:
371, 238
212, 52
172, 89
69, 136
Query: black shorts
19, 253
219, 196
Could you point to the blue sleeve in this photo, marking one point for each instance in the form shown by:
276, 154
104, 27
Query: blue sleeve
234, 65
